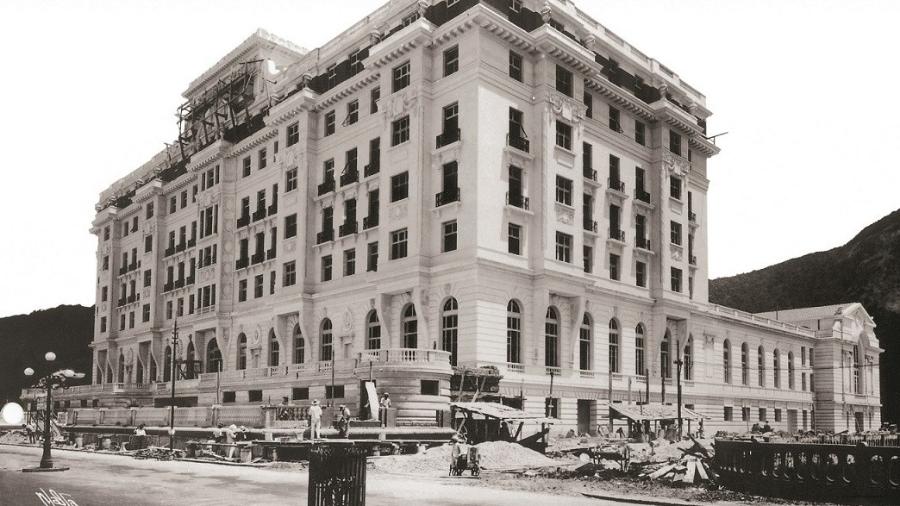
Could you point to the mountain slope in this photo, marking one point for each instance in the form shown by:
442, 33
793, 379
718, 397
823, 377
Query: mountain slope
24, 339
866, 269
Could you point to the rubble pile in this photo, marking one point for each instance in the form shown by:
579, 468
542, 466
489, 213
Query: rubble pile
158, 453
13, 437
495, 455
685, 462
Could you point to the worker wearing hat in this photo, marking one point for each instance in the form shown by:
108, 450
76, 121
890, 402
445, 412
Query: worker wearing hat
315, 420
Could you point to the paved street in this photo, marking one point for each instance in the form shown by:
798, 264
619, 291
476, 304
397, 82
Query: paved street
97, 479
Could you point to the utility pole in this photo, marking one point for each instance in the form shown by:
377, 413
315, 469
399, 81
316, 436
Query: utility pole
678, 364
172, 400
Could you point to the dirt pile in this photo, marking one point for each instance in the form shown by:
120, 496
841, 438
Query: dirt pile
13, 437
495, 455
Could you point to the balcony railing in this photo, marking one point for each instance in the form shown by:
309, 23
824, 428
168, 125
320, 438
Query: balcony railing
404, 356
271, 253
517, 200
259, 214
692, 217
325, 236
618, 235
590, 225
242, 263
616, 184
131, 298
446, 138
169, 251
180, 247
518, 142
168, 287
350, 176
372, 168
179, 283
243, 221
642, 195
348, 228
121, 302
257, 258
191, 242
273, 209
642, 242
190, 281
692, 259
446, 196
326, 187
370, 221
590, 174
123, 269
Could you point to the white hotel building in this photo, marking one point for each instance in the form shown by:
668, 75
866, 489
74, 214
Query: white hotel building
448, 183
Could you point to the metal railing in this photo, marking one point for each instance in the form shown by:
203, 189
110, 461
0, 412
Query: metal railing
348, 228
243, 221
517, 200
326, 187
446, 196
616, 185
372, 168
518, 142
618, 235
642, 195
446, 138
590, 174
370, 221
642, 242
349, 176
325, 236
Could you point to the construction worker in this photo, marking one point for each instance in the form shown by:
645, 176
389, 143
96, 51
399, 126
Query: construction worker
315, 420
344, 422
383, 406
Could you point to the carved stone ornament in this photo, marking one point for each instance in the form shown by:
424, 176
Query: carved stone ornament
291, 322
398, 212
423, 6
374, 37
546, 12
290, 156
129, 356
289, 246
348, 320
149, 227
676, 254
106, 248
564, 215
567, 107
256, 336
399, 104
675, 165
405, 298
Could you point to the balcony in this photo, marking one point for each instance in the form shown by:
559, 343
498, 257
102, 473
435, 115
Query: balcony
271, 253
517, 200
121, 302
370, 221
616, 185
447, 196
192, 242
325, 236
168, 287
273, 209
243, 221
405, 357
257, 258
518, 142
180, 247
692, 260
642, 195
189, 281
590, 174
446, 138
617, 235
131, 298
642, 243
179, 283
242, 263
326, 187
589, 225
350, 176
123, 269
259, 214
372, 168
169, 251
349, 227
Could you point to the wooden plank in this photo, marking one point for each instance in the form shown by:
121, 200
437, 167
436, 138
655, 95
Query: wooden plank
661, 471
701, 469
691, 469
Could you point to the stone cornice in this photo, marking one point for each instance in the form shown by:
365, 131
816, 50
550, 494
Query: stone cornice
291, 107
703, 145
418, 33
345, 90
670, 114
452, 30
620, 97
249, 143
209, 154
502, 28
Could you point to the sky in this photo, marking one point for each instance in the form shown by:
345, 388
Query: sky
803, 89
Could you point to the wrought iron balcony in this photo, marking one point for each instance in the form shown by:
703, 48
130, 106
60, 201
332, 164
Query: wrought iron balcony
446, 138
517, 200
179, 283
190, 281
447, 196
168, 287
273, 209
259, 214
243, 221
326, 187
590, 173
191, 242
180, 247
242, 263
131, 298
642, 195
170, 251
642, 242
348, 228
518, 142
372, 167
692, 259
271, 253
618, 235
370, 221
123, 269
590, 225
121, 302
350, 176
257, 258
616, 184
325, 236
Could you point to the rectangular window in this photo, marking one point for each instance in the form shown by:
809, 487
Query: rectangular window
228, 397
271, 282
514, 239
729, 413
258, 286
639, 133
515, 66
675, 143
242, 290
372, 257
352, 112
640, 274
184, 199
290, 180
762, 415
675, 232
349, 262
293, 134
262, 158
589, 103
398, 243
104, 294
563, 247
451, 60
300, 393
173, 205
745, 414
245, 172
563, 81
374, 97
564, 190
587, 253
400, 131
168, 310
430, 387
675, 187
289, 277
777, 415
145, 313
148, 277
448, 242
676, 280
334, 392
102, 324
614, 266
290, 226
149, 210
148, 244
254, 395
563, 135
615, 123
400, 77
329, 123
326, 268
399, 186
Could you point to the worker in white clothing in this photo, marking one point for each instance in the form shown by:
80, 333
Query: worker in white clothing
315, 420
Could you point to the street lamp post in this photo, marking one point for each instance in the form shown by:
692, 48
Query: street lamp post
50, 381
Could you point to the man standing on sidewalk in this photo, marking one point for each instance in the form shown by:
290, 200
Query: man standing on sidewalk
315, 420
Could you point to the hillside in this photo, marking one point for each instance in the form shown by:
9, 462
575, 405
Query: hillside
65, 330
866, 269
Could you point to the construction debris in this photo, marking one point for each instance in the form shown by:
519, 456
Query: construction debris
692, 466
158, 453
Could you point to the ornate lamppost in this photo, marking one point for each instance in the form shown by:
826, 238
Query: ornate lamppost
52, 380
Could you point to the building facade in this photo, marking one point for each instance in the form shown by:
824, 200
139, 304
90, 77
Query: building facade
444, 184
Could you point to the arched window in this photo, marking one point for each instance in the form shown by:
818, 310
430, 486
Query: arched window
167, 364
513, 332
855, 363
613, 346
640, 368
745, 364
551, 338
450, 328
776, 368
410, 327
373, 331
664, 347
689, 358
139, 377
109, 374
726, 361
274, 349
761, 364
242, 352
152, 370
327, 352
189, 361
585, 343
121, 375
790, 360
213, 356
299, 346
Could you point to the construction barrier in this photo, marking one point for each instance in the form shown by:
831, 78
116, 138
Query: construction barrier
337, 475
